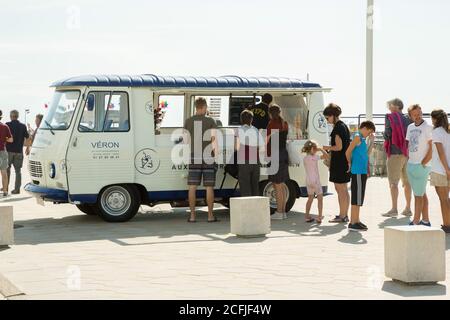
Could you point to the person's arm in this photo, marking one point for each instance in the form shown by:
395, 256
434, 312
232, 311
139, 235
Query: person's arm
9, 137
429, 154
237, 141
348, 154
214, 141
338, 147
387, 129
443, 157
325, 155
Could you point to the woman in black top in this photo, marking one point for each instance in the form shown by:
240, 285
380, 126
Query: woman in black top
339, 170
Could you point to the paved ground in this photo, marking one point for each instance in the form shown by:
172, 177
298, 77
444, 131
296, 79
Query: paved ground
61, 253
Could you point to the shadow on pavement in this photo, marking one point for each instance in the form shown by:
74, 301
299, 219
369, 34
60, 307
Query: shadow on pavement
160, 226
447, 241
7, 200
392, 222
409, 291
4, 248
353, 238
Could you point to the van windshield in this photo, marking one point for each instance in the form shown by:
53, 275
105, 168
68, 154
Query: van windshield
61, 110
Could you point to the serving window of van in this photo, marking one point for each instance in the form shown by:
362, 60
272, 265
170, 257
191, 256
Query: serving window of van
105, 111
226, 110
169, 113
295, 112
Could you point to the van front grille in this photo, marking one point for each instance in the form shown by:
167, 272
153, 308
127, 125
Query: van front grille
35, 168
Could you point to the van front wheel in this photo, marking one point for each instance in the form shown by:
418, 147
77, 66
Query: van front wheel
87, 208
118, 203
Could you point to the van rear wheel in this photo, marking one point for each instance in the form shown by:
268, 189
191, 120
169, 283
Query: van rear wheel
118, 203
267, 189
87, 208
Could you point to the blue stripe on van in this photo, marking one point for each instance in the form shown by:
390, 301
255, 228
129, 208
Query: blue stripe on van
48, 194
183, 194
84, 198
304, 192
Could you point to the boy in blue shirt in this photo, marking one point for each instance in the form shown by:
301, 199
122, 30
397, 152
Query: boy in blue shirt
358, 161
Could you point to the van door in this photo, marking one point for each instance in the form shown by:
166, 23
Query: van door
100, 151
172, 173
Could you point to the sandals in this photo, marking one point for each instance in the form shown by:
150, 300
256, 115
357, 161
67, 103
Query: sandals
191, 221
319, 220
310, 220
338, 219
214, 220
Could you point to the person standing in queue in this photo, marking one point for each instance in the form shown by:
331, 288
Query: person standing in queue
249, 142
440, 172
15, 149
420, 138
32, 133
339, 170
5, 137
277, 132
396, 148
261, 112
200, 131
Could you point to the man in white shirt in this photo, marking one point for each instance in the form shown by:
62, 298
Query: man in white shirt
419, 136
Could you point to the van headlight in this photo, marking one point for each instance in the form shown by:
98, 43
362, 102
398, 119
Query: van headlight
52, 171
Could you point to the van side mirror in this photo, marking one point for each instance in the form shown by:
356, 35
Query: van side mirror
90, 102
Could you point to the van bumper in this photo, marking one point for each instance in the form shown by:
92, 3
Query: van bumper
47, 194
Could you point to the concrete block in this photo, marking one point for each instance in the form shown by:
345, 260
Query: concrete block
6, 226
414, 254
250, 216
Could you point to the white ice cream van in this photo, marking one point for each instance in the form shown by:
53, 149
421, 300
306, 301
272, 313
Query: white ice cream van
106, 141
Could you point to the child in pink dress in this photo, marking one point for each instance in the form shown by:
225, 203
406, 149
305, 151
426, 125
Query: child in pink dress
313, 185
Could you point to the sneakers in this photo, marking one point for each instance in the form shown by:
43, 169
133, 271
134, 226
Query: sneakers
364, 226
357, 227
15, 192
390, 214
407, 213
278, 216
426, 224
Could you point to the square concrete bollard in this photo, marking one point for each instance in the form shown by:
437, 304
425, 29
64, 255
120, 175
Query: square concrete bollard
250, 216
6, 226
414, 254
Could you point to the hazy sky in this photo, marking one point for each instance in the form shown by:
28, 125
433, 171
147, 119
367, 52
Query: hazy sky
46, 40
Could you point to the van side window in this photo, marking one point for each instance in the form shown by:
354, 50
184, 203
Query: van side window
170, 112
116, 113
105, 112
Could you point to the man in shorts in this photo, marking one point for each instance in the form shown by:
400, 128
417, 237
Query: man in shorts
5, 137
200, 131
397, 151
420, 137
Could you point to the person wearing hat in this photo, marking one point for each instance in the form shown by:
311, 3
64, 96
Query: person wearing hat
5, 137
